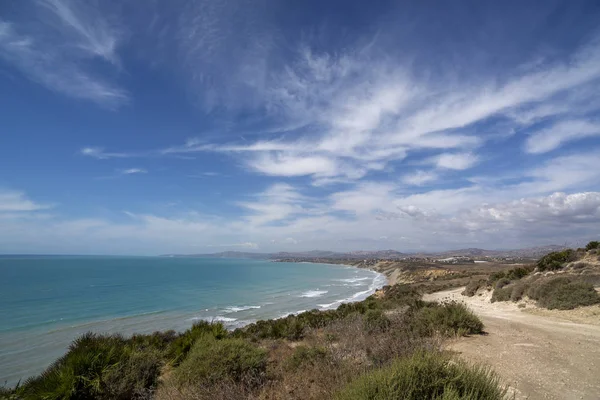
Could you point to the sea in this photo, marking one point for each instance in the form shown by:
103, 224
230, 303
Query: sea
47, 301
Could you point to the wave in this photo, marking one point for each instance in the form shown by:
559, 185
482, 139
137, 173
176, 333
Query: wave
235, 309
290, 313
314, 293
377, 283
218, 318
353, 280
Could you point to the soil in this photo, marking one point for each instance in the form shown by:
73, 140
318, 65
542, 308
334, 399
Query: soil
539, 354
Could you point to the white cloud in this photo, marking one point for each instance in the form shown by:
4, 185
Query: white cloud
132, 171
548, 139
11, 201
360, 113
245, 245
419, 178
57, 50
99, 153
456, 161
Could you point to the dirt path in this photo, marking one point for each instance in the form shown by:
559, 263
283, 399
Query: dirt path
539, 356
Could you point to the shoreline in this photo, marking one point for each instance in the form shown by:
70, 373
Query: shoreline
225, 313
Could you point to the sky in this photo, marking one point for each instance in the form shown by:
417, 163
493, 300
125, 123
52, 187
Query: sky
149, 127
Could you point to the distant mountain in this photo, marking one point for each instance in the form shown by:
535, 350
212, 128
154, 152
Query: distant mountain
532, 252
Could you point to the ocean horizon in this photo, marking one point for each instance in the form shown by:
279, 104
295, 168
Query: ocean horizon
48, 300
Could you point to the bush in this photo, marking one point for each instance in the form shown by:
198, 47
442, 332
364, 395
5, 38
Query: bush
134, 377
593, 245
496, 276
472, 288
449, 319
180, 347
304, 355
426, 375
376, 321
501, 283
556, 260
563, 294
91, 368
518, 273
518, 290
501, 294
211, 361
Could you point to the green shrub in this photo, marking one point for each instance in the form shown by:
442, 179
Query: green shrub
306, 356
91, 368
376, 321
472, 287
135, 376
556, 260
593, 245
448, 319
426, 375
518, 273
501, 283
496, 276
180, 347
211, 361
563, 293
501, 294
518, 290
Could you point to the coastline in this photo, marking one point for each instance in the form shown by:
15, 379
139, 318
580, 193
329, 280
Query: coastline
234, 314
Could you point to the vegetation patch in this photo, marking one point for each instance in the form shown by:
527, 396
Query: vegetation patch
473, 287
593, 245
556, 260
98, 367
501, 294
448, 320
563, 293
376, 321
211, 361
306, 356
426, 375
181, 346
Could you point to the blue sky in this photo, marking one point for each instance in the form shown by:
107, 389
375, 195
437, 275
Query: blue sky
148, 127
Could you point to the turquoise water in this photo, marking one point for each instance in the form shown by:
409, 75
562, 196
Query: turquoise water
47, 301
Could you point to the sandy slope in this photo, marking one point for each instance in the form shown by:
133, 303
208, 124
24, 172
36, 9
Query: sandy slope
540, 356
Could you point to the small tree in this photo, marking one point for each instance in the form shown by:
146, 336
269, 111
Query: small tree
593, 245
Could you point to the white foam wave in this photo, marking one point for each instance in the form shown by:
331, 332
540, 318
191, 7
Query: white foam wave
377, 283
290, 313
235, 309
218, 318
314, 293
353, 280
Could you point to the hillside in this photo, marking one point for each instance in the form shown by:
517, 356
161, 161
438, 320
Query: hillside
531, 253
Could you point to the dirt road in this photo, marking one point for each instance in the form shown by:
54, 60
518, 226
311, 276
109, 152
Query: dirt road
539, 356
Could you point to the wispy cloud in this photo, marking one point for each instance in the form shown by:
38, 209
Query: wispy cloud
15, 201
551, 138
420, 177
58, 50
99, 153
366, 113
132, 171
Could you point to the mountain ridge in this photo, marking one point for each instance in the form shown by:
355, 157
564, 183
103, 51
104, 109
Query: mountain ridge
529, 252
